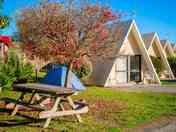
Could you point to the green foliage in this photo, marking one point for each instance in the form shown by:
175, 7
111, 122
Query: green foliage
83, 71
4, 21
172, 62
15, 70
157, 64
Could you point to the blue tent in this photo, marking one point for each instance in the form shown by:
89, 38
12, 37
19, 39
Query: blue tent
56, 76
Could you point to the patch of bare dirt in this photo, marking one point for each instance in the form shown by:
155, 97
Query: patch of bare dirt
106, 111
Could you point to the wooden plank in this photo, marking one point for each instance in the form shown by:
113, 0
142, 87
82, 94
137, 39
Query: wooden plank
70, 101
51, 114
43, 88
15, 110
24, 107
32, 99
54, 108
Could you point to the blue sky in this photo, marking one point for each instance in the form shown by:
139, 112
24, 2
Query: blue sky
151, 15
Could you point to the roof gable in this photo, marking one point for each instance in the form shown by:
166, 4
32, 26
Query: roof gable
132, 28
163, 43
167, 44
148, 38
173, 46
164, 57
121, 29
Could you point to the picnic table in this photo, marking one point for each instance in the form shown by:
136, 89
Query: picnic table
58, 94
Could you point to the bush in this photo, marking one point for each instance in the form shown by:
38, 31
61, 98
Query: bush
83, 71
15, 70
172, 62
157, 64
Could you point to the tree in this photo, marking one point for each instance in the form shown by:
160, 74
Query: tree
66, 33
157, 64
172, 62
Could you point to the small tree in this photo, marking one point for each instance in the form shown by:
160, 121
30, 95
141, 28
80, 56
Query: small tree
172, 62
66, 34
83, 71
157, 64
15, 70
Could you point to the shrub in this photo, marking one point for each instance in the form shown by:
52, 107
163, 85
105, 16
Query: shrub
157, 64
83, 71
172, 62
15, 70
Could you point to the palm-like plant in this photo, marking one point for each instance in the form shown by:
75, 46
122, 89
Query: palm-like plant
15, 70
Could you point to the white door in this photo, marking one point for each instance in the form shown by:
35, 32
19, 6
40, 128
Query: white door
121, 69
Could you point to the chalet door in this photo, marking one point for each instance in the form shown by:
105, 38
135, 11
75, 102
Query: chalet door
121, 69
135, 68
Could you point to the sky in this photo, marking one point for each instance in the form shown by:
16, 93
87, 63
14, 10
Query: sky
151, 15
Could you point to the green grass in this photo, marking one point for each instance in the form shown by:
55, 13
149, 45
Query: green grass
110, 111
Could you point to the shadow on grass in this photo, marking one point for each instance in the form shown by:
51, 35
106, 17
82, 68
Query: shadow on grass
24, 119
29, 121
14, 122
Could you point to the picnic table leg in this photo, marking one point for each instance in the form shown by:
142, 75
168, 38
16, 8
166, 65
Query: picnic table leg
15, 109
32, 99
54, 109
62, 107
74, 107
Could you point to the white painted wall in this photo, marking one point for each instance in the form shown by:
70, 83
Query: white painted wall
115, 77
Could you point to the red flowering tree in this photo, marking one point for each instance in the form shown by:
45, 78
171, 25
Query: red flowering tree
66, 34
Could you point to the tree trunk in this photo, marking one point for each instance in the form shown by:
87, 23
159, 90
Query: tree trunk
68, 74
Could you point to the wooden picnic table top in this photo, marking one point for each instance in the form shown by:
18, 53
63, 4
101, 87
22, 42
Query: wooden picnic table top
43, 88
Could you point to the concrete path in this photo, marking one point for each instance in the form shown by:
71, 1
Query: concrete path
164, 124
147, 88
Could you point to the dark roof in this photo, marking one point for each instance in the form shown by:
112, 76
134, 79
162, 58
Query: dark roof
121, 30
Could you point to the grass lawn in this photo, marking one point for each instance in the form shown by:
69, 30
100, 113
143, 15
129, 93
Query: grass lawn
110, 111
169, 83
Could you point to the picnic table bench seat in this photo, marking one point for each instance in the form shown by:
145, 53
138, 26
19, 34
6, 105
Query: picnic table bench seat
22, 105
